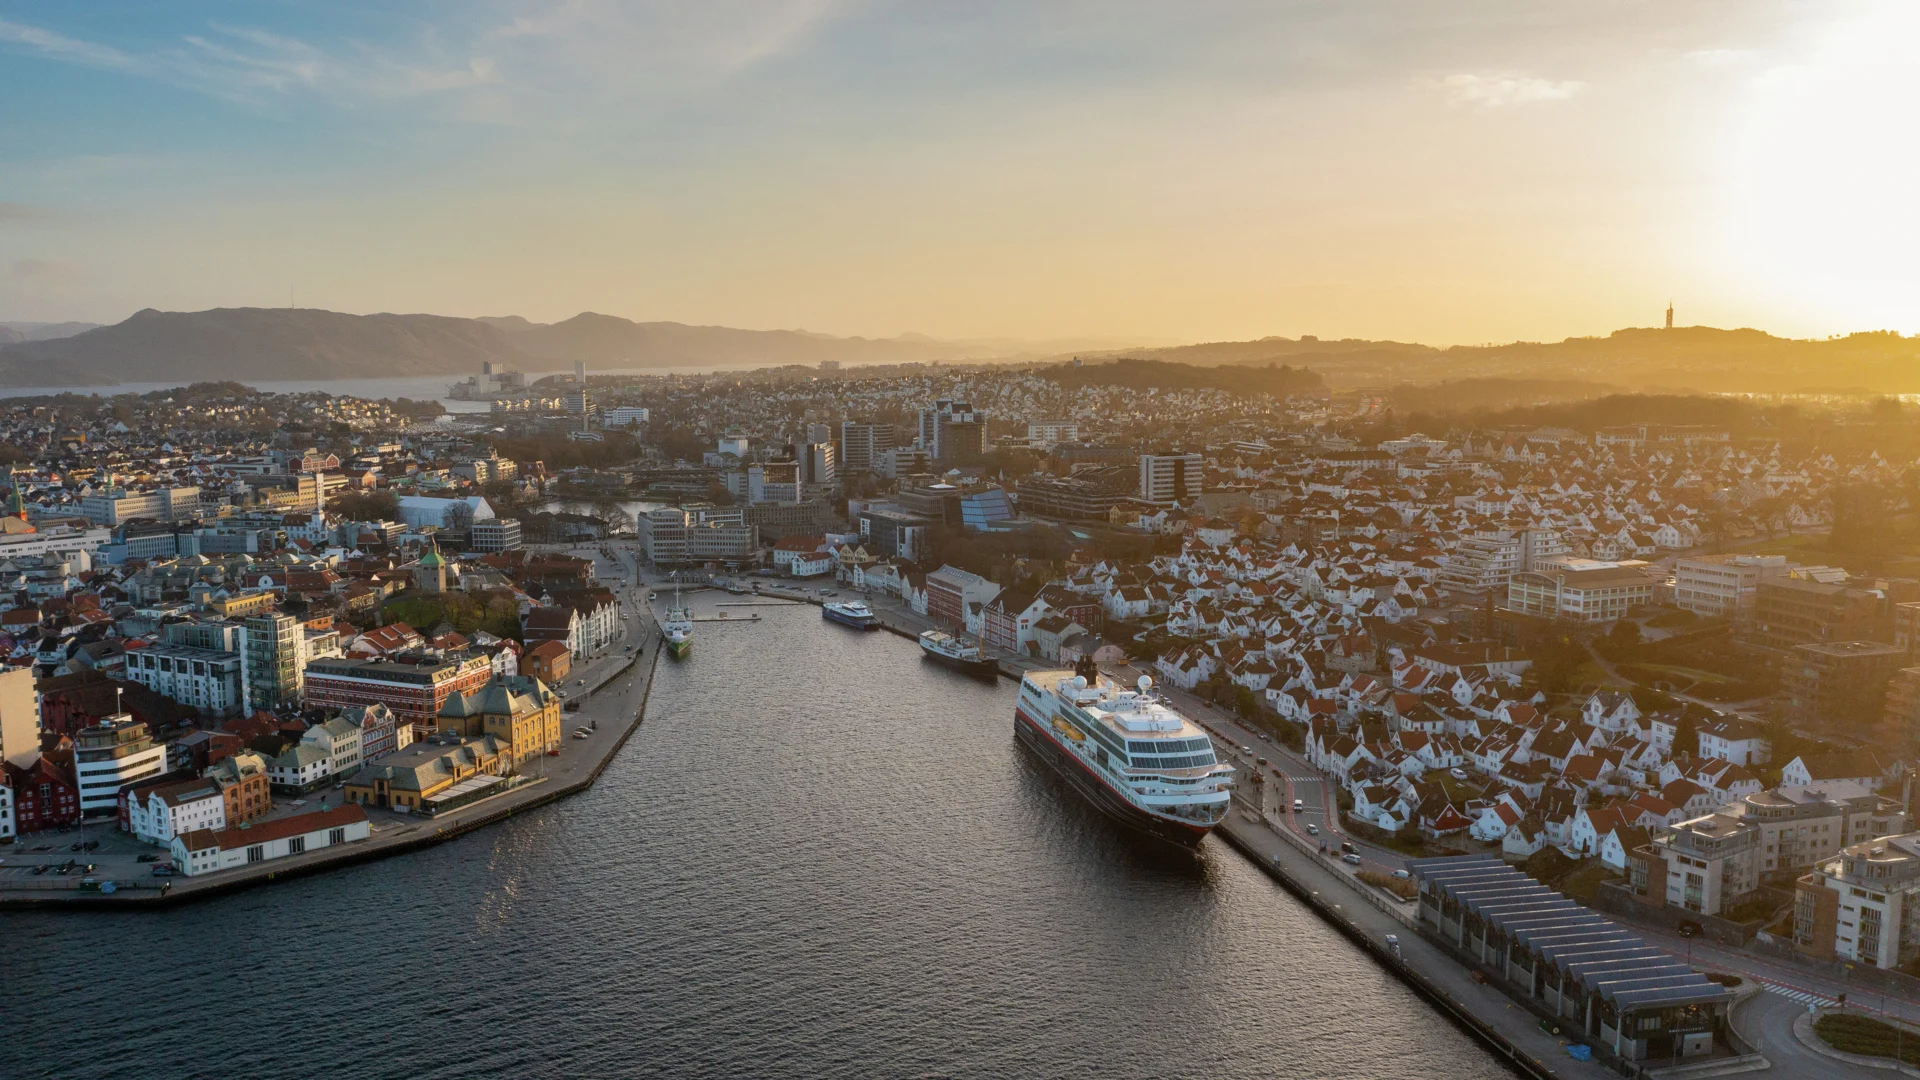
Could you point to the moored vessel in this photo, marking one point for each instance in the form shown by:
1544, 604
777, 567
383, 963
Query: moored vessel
1128, 752
851, 613
677, 627
957, 653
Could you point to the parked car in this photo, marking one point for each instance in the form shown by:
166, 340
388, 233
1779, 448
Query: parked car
149, 858
1401, 874
1457, 774
162, 871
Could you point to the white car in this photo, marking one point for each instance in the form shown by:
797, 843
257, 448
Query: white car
1312, 829
1350, 859
1457, 774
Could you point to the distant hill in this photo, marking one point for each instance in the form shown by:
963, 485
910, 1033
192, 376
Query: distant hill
1687, 357
256, 344
608, 341
12, 332
292, 343
1278, 380
284, 343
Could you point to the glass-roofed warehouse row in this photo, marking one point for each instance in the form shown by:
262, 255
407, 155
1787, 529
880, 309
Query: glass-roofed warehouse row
1635, 999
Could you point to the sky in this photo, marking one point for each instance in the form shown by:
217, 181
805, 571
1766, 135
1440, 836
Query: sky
1447, 172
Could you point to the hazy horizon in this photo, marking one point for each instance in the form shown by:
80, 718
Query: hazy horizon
1227, 171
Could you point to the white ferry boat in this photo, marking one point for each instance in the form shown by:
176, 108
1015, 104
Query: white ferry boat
1127, 751
851, 613
957, 653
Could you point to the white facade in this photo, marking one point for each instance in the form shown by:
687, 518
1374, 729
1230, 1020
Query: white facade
339, 739
300, 767
206, 679
1170, 478
174, 809
1717, 585
206, 851
624, 416
1579, 590
8, 826
102, 767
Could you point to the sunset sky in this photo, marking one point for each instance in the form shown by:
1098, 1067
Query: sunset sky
1438, 171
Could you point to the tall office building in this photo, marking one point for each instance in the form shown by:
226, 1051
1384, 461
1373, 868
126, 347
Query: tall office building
271, 667
817, 463
953, 431
862, 443
1170, 478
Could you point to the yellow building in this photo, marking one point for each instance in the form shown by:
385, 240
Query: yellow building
519, 710
407, 778
242, 604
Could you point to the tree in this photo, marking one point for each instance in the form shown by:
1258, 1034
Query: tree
366, 504
1686, 734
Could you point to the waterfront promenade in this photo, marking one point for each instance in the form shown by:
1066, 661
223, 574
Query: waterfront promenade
613, 690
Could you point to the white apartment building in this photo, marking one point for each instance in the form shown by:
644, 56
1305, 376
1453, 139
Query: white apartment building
624, 416
110, 755
1805, 824
1712, 862
8, 826
169, 810
1579, 590
1043, 434
1169, 478
1486, 561
1861, 906
115, 506
1723, 585
339, 739
206, 679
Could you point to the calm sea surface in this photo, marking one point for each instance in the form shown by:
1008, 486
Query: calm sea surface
819, 857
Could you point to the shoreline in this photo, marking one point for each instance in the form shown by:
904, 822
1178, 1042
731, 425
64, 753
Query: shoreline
396, 836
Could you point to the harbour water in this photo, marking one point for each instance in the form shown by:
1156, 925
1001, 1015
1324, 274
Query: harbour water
819, 857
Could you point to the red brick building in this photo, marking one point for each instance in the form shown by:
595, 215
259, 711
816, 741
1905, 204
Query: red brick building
44, 796
413, 690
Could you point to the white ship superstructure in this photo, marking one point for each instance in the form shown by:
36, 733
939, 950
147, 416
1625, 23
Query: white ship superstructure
1128, 751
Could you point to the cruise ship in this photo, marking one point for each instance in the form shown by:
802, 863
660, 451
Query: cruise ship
851, 613
1127, 751
957, 653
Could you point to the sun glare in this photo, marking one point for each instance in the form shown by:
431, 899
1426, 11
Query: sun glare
1824, 215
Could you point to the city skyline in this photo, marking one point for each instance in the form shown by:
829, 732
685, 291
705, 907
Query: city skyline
1381, 170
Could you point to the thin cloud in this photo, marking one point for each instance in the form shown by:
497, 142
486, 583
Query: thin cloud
60, 47
1493, 90
250, 65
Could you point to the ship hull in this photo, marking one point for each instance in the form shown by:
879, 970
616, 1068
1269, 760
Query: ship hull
868, 623
679, 649
983, 667
1095, 790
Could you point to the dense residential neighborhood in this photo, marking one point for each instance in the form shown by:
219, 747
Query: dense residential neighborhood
238, 622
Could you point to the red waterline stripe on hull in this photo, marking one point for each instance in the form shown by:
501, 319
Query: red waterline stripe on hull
1102, 781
